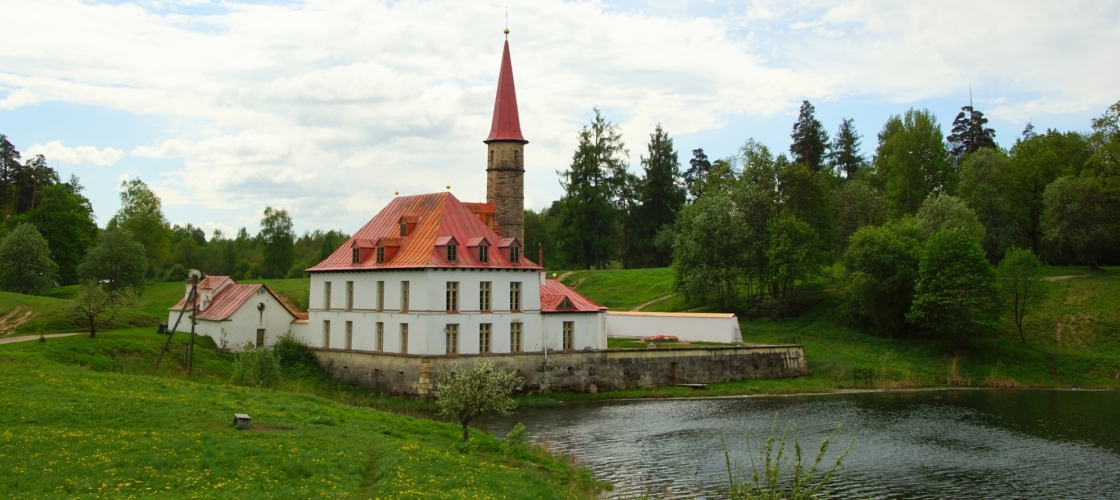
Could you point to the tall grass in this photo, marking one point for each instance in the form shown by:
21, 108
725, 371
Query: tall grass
779, 476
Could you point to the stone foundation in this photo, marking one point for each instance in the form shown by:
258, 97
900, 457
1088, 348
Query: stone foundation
584, 371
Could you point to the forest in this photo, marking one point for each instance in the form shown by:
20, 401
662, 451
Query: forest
933, 234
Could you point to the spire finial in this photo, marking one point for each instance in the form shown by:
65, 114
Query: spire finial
507, 24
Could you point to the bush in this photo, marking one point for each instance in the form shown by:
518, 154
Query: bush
257, 368
296, 359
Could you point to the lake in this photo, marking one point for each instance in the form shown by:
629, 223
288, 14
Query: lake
960, 443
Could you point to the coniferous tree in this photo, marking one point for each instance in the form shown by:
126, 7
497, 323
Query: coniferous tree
810, 140
845, 155
9, 164
586, 227
698, 168
661, 197
65, 219
970, 134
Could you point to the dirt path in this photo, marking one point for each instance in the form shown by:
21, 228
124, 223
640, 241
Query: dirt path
1060, 278
565, 275
647, 304
17, 316
25, 338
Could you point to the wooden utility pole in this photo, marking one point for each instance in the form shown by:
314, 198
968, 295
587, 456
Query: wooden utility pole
192, 299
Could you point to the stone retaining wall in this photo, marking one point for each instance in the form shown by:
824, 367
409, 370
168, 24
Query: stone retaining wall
584, 371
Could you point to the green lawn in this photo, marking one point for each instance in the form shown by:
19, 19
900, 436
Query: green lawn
622, 289
86, 417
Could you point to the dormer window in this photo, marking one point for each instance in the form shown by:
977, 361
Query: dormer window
354, 255
483, 253
380, 255
404, 229
565, 304
407, 224
452, 253
514, 254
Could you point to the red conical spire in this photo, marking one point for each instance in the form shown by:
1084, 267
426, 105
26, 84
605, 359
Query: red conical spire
506, 126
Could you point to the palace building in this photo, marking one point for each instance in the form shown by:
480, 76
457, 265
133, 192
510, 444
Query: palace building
432, 275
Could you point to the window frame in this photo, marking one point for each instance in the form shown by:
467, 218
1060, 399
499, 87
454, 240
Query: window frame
484, 253
380, 255
326, 296
355, 255
451, 338
452, 252
326, 334
515, 296
349, 295
349, 335
380, 336
569, 329
404, 296
404, 338
514, 254
485, 337
516, 336
485, 296
451, 301
380, 296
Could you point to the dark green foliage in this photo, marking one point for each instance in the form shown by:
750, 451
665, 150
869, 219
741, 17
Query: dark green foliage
810, 140
118, 261
539, 235
956, 299
795, 255
141, 214
9, 165
97, 305
804, 194
586, 225
986, 186
943, 211
1022, 284
1081, 217
65, 219
708, 252
845, 156
25, 261
1036, 162
256, 368
698, 168
883, 262
911, 161
857, 204
278, 242
969, 134
661, 198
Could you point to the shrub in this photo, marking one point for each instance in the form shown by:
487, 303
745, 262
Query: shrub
256, 367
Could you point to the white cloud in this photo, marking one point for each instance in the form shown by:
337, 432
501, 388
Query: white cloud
82, 155
330, 106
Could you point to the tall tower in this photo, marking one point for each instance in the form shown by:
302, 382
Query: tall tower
505, 167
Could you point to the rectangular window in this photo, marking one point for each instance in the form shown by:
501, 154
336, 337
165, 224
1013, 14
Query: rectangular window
484, 338
452, 333
354, 255
483, 253
349, 295
404, 229
514, 254
484, 296
380, 336
404, 296
349, 335
327, 296
380, 295
452, 253
380, 255
515, 296
515, 337
326, 334
260, 337
452, 296
569, 335
404, 338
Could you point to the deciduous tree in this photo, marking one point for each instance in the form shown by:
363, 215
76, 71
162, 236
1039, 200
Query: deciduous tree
25, 261
708, 251
857, 204
1022, 284
883, 261
1081, 218
986, 186
911, 160
956, 298
141, 214
475, 390
278, 239
96, 305
65, 219
943, 211
118, 262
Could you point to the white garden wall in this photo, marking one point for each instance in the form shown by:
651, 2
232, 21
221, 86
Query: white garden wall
689, 327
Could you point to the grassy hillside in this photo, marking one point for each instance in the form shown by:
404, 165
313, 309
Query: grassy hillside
78, 419
1073, 340
29, 314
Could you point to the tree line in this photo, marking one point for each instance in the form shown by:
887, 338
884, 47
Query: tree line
931, 228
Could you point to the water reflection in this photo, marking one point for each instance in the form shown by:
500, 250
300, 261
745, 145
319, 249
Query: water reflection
927, 444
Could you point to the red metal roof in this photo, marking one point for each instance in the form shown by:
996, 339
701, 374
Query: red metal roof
506, 126
440, 217
553, 294
229, 299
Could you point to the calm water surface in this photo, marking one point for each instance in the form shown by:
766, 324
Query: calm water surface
927, 444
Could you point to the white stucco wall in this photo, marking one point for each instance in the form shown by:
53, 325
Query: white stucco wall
722, 327
427, 317
589, 330
242, 325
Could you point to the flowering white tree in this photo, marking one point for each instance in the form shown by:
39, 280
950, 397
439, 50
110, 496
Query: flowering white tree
476, 390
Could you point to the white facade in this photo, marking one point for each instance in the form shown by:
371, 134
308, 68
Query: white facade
688, 327
246, 325
354, 317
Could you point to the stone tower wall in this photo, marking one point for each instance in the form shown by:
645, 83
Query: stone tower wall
505, 187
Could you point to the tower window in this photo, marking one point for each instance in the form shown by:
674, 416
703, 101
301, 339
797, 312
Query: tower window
491, 158
452, 253
516, 158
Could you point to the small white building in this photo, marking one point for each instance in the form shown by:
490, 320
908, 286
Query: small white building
236, 315
687, 327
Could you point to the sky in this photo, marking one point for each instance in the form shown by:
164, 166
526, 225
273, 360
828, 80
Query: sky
329, 108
